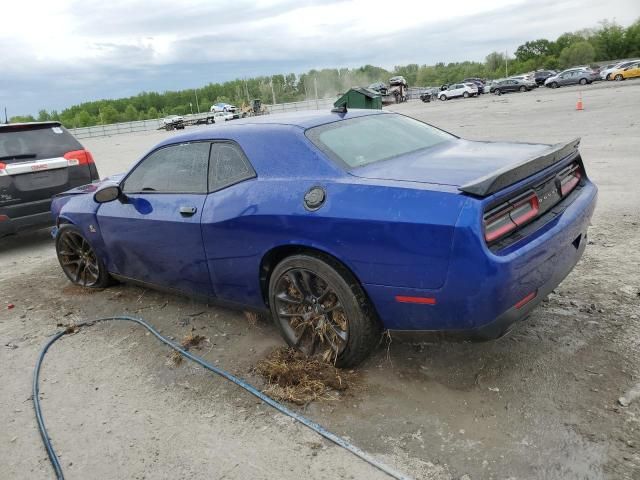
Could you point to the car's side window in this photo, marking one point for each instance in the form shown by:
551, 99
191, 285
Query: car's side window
228, 165
172, 169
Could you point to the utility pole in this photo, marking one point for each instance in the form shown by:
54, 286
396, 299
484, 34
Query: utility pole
6, 119
506, 64
197, 104
273, 92
315, 87
246, 91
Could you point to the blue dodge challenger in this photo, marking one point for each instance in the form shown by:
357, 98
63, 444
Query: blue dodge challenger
341, 224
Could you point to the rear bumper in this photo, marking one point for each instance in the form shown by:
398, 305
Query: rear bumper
27, 222
482, 288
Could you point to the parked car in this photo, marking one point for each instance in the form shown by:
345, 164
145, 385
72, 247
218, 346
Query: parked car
527, 80
225, 116
572, 76
541, 75
173, 122
268, 213
38, 161
605, 74
630, 71
223, 107
459, 90
509, 85
478, 83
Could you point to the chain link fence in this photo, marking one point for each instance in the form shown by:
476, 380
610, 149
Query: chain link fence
156, 124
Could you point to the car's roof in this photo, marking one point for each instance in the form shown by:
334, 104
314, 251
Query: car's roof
28, 124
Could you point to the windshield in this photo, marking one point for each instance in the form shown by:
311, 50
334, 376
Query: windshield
365, 140
26, 142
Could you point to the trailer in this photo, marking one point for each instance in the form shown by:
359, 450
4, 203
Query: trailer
178, 122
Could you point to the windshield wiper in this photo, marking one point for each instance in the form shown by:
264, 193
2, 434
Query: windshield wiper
22, 155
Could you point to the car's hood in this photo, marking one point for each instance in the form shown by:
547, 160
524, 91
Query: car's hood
452, 163
92, 187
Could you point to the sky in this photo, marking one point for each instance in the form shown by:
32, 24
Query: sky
54, 54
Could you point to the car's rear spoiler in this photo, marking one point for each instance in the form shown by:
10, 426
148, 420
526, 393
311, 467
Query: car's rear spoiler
504, 177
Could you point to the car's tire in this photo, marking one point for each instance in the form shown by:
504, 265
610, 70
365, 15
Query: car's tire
465, 94
554, 85
497, 92
619, 77
78, 259
314, 302
523, 88
608, 77
443, 98
583, 81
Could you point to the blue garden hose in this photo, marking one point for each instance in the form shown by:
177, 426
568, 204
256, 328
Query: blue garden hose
194, 358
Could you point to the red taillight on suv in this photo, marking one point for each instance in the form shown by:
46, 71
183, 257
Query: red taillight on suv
2, 169
78, 157
510, 215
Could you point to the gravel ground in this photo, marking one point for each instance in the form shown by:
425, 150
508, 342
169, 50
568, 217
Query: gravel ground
542, 402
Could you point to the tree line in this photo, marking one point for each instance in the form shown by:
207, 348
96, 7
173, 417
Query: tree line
608, 41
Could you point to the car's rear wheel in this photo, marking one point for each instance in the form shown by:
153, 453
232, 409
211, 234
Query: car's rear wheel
78, 260
583, 81
523, 88
497, 92
619, 77
465, 94
321, 310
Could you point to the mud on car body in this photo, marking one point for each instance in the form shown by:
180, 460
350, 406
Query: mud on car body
340, 224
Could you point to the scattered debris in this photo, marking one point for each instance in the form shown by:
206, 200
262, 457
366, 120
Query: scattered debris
188, 341
293, 377
494, 389
630, 396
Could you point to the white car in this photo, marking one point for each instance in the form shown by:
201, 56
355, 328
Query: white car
465, 90
224, 116
223, 107
606, 73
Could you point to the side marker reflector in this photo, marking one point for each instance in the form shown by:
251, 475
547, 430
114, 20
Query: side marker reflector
526, 300
419, 300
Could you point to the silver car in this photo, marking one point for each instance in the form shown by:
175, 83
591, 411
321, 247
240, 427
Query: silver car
572, 76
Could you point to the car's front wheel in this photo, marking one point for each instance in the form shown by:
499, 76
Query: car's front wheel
583, 81
321, 310
465, 94
554, 85
523, 88
497, 92
78, 260
443, 98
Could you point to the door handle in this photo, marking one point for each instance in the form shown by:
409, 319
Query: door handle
187, 211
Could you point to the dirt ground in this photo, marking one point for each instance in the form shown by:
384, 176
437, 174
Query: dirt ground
539, 403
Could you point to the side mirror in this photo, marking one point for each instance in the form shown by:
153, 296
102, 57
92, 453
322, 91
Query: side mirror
108, 193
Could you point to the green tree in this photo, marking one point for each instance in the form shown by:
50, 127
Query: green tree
580, 53
84, 119
43, 116
609, 41
130, 114
533, 50
152, 113
109, 114
22, 119
494, 61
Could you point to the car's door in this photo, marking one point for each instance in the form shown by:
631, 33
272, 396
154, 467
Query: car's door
231, 239
457, 90
154, 234
633, 71
511, 85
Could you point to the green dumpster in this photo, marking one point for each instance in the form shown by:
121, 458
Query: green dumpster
358, 97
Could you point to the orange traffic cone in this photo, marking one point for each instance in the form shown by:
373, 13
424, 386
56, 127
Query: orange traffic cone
579, 104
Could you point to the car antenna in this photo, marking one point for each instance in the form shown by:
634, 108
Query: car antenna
341, 109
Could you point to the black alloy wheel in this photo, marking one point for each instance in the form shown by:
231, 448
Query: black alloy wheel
321, 313
78, 260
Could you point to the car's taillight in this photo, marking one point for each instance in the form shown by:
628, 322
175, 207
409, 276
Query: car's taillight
510, 215
568, 183
3, 166
78, 157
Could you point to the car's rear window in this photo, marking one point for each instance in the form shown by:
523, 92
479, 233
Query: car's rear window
25, 142
364, 140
